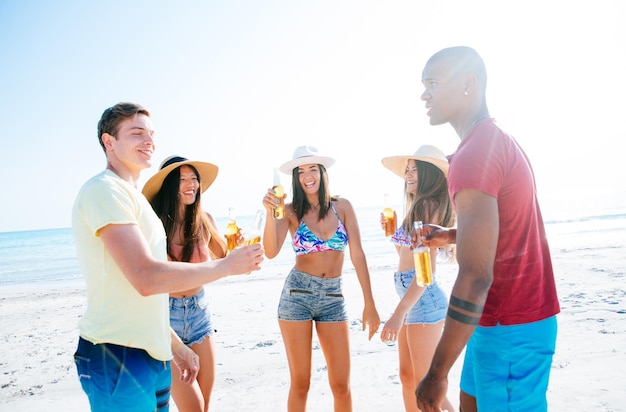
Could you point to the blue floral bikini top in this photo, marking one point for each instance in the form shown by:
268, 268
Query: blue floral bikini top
400, 238
305, 241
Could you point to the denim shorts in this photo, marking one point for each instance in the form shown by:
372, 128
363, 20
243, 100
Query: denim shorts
119, 378
190, 318
431, 307
307, 297
507, 368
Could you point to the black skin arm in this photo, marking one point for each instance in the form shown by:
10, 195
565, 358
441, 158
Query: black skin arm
476, 237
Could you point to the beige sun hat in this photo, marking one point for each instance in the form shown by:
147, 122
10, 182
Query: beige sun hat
304, 155
207, 172
426, 153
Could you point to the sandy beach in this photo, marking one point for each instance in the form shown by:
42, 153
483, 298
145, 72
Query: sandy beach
39, 333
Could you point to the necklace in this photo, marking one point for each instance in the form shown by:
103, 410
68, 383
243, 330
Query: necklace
484, 116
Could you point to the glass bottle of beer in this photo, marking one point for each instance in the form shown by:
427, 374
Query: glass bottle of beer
232, 230
389, 217
279, 192
421, 256
253, 235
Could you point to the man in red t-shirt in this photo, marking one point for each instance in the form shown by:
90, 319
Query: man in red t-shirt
504, 303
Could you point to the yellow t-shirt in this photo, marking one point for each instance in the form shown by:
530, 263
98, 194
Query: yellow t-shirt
116, 313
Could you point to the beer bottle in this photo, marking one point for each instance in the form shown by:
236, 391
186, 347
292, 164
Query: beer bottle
389, 217
232, 230
253, 235
421, 256
279, 192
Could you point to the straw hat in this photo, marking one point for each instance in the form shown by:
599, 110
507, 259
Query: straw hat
425, 153
304, 155
207, 172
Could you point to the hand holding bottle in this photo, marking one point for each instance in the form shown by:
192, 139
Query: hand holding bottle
388, 218
278, 211
435, 236
388, 221
274, 202
245, 259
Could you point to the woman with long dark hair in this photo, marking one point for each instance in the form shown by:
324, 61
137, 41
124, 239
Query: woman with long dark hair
192, 236
321, 227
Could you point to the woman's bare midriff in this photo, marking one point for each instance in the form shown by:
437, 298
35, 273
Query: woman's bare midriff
328, 264
186, 294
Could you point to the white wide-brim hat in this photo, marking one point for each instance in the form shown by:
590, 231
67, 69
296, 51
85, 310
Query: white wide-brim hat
426, 153
207, 172
304, 155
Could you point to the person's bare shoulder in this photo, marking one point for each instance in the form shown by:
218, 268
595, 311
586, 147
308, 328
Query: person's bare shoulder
341, 202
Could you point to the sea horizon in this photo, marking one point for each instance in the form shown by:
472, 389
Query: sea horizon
47, 257
553, 213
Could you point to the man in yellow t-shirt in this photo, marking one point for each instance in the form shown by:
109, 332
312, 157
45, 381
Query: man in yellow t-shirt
126, 343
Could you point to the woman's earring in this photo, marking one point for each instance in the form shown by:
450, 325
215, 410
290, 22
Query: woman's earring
465, 92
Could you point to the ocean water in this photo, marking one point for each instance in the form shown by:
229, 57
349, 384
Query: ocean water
44, 257
38, 256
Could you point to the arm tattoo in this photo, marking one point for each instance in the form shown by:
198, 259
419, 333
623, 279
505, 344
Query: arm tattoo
465, 305
458, 316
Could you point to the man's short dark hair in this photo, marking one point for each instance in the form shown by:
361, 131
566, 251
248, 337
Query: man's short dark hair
113, 116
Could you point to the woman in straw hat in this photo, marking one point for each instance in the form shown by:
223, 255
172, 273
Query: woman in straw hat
192, 236
321, 227
417, 321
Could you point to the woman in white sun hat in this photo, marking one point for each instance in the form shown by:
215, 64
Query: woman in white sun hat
321, 227
192, 236
417, 322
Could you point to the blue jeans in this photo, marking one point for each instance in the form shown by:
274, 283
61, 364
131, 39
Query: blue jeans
307, 297
506, 368
191, 318
431, 307
119, 378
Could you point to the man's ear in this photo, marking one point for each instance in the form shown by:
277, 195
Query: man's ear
106, 140
470, 83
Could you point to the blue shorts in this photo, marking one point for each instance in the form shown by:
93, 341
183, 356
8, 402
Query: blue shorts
190, 318
506, 368
307, 297
119, 378
431, 307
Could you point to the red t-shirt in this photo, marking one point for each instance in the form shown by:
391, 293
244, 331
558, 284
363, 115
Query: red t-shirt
523, 290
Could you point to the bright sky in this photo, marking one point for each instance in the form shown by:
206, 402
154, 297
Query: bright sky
242, 83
